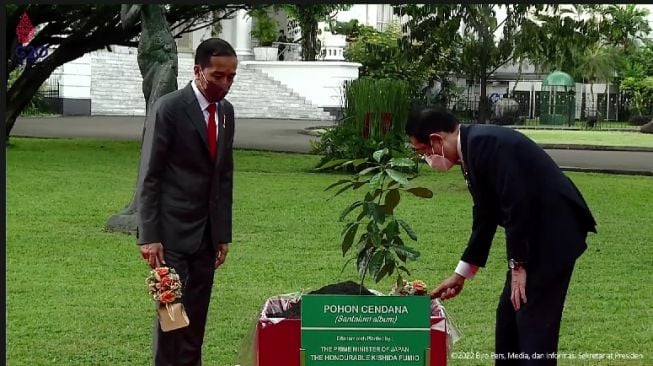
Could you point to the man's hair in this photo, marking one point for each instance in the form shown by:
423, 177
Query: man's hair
423, 121
212, 47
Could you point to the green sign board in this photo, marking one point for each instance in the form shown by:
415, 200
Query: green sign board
344, 330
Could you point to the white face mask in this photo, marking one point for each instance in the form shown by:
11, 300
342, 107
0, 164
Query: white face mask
438, 162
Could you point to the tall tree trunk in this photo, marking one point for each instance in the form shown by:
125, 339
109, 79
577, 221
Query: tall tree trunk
483, 103
519, 74
308, 25
484, 60
158, 63
593, 116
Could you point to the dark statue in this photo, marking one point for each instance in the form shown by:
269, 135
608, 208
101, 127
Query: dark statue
157, 61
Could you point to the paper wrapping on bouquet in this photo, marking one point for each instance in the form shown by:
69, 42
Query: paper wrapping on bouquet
164, 286
172, 316
277, 341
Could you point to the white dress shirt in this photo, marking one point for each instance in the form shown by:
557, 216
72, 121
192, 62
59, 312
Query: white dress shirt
204, 105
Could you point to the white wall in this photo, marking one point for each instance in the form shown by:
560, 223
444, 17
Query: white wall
365, 13
369, 14
116, 82
200, 35
282, 23
319, 82
75, 79
524, 85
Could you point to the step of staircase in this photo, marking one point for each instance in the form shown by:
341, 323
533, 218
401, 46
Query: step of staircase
116, 89
254, 94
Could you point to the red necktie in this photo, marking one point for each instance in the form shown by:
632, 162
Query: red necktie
212, 130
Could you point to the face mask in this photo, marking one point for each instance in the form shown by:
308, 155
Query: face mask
213, 92
438, 162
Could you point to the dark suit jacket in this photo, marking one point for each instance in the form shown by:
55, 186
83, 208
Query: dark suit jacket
182, 189
515, 183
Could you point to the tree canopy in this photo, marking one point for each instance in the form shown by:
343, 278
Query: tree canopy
308, 16
460, 38
74, 30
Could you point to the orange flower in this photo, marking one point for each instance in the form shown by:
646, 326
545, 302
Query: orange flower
419, 286
167, 297
162, 271
165, 283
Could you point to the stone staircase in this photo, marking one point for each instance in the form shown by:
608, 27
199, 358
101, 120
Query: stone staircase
116, 90
256, 95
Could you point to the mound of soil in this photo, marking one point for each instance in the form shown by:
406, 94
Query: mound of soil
342, 288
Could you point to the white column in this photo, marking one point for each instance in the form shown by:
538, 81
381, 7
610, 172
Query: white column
243, 42
228, 30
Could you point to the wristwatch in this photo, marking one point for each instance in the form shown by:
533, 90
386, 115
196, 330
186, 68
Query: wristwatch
513, 264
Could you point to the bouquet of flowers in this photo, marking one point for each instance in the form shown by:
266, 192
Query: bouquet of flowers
164, 286
406, 288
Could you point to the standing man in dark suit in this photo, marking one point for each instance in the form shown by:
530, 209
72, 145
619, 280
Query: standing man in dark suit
515, 184
185, 198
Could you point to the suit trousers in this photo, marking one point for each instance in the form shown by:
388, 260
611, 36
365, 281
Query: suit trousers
183, 347
530, 336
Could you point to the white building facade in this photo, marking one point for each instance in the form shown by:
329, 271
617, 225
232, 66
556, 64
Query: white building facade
109, 83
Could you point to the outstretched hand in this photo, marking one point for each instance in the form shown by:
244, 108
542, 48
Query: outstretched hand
449, 288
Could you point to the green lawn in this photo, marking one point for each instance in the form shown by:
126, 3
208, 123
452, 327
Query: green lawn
606, 138
585, 137
76, 295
